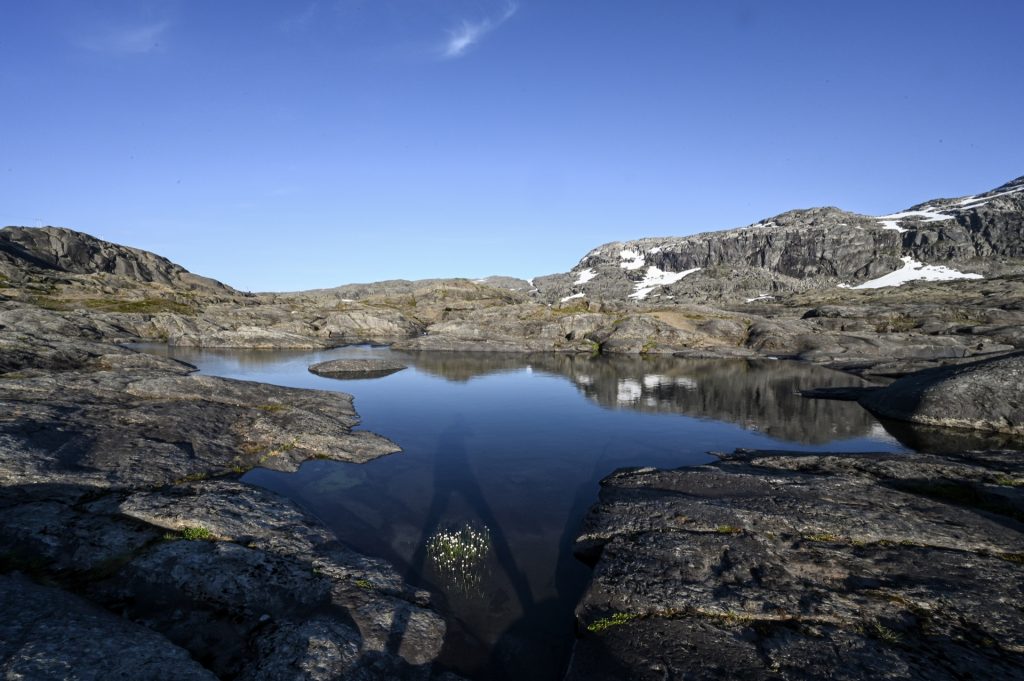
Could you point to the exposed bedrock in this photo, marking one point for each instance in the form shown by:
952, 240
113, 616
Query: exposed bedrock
803, 250
67, 251
776, 565
356, 368
122, 520
983, 395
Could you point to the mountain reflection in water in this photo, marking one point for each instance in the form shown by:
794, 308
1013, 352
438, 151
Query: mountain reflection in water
761, 395
512, 447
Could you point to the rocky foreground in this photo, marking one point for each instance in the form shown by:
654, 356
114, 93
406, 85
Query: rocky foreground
129, 548
784, 565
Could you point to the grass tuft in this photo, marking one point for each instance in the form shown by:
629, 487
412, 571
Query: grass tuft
190, 533
613, 620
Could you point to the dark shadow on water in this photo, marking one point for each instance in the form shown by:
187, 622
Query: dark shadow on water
452, 476
516, 654
938, 440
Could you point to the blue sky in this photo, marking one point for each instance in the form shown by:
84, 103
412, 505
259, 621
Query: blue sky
292, 145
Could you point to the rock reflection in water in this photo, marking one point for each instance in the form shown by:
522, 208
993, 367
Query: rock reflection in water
760, 395
517, 444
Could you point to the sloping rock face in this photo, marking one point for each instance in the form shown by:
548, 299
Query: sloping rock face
119, 492
57, 638
983, 395
775, 565
806, 249
65, 250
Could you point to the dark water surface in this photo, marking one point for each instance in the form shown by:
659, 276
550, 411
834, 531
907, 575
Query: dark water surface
513, 447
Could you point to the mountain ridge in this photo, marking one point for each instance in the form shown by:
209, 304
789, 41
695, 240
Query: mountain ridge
800, 248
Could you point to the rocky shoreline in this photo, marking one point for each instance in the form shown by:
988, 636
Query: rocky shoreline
123, 514
129, 547
784, 565
124, 526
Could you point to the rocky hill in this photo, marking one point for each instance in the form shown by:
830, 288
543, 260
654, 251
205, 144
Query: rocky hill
817, 285
967, 237
25, 251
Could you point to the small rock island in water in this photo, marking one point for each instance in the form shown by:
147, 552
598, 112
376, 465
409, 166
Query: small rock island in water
356, 368
130, 548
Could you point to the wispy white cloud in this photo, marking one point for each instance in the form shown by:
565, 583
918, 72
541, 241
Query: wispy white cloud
469, 33
301, 19
127, 40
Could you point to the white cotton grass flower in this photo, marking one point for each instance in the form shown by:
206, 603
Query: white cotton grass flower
459, 555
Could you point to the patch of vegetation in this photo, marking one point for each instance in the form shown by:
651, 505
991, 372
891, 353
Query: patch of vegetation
650, 345
284, 447
732, 617
883, 633
566, 310
364, 584
613, 620
728, 529
252, 448
1007, 481
272, 408
459, 555
144, 306
276, 449
823, 537
190, 533
1013, 557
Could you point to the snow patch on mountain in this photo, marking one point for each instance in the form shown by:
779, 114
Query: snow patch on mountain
926, 214
978, 201
654, 278
631, 260
585, 276
914, 270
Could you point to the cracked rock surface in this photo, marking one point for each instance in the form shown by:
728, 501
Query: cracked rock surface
781, 565
130, 549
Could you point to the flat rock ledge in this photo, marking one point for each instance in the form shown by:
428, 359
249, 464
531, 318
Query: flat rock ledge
356, 368
130, 549
785, 565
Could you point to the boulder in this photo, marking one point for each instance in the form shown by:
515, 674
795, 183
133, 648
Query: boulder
984, 395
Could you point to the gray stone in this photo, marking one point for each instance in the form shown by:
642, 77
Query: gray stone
781, 565
356, 368
48, 634
117, 486
983, 395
